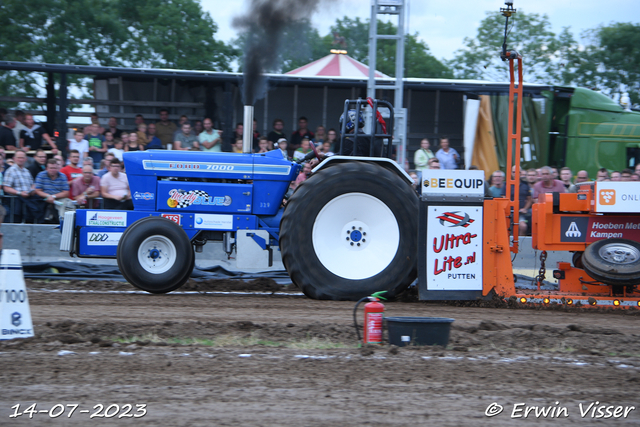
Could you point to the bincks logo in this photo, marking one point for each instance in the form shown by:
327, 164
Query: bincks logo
607, 197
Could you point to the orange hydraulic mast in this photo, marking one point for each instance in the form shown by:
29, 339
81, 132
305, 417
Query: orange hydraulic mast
512, 188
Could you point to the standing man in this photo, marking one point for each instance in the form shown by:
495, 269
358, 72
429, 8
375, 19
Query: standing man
448, 156
276, 133
72, 170
53, 187
165, 128
582, 176
32, 134
422, 155
113, 128
97, 147
296, 137
547, 184
19, 182
497, 184
40, 164
19, 116
114, 187
7, 139
524, 203
107, 164
79, 144
210, 138
565, 177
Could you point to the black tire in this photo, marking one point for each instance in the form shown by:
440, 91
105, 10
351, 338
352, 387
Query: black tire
613, 261
576, 259
167, 274
326, 262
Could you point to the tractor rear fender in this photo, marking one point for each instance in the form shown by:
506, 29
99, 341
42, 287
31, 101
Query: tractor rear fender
382, 161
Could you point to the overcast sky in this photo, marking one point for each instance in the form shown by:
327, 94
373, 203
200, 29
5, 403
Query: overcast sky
444, 24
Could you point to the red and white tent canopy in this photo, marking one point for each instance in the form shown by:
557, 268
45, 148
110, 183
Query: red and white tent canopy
336, 65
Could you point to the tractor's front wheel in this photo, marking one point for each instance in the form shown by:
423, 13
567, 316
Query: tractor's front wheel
155, 255
351, 230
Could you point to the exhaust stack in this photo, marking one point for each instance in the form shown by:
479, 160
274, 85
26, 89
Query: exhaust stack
247, 132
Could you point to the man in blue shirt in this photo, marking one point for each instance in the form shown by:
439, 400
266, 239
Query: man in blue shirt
448, 156
53, 187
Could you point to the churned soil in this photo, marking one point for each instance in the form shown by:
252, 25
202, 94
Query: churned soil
207, 357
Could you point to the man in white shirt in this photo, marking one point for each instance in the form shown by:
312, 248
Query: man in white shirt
80, 144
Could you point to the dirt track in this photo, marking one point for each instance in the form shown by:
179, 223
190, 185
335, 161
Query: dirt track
213, 359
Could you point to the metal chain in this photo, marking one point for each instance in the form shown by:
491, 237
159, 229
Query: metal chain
543, 271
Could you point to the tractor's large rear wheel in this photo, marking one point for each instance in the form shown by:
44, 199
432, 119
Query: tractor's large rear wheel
155, 255
351, 230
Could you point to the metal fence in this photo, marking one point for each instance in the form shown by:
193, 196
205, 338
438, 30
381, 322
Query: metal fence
9, 202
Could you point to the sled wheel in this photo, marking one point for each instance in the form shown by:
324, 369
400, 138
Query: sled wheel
351, 230
576, 260
155, 255
613, 261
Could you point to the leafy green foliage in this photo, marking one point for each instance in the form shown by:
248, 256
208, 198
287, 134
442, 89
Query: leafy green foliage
141, 33
610, 61
530, 34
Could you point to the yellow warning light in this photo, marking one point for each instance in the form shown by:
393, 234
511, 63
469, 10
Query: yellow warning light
546, 300
524, 300
593, 301
638, 303
616, 302
569, 302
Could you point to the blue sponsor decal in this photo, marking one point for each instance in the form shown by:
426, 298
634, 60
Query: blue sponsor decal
143, 196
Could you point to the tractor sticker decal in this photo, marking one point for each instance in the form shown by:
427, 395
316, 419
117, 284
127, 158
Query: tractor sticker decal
454, 255
573, 228
173, 217
181, 199
213, 222
453, 219
103, 239
106, 218
166, 165
143, 196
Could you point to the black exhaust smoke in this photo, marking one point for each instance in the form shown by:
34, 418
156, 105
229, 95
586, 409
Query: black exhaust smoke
262, 26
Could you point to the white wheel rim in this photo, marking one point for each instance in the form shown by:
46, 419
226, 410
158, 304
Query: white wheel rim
157, 254
355, 236
619, 253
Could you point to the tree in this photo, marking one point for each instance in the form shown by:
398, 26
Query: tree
144, 33
530, 34
418, 60
609, 62
174, 34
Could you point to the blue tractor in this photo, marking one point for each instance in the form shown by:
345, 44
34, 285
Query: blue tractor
349, 230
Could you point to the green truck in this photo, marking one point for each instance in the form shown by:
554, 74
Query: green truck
573, 127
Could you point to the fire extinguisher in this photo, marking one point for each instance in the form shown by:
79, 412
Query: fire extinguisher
373, 315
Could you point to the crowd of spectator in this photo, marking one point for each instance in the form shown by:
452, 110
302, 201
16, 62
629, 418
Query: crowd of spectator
92, 175
533, 182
